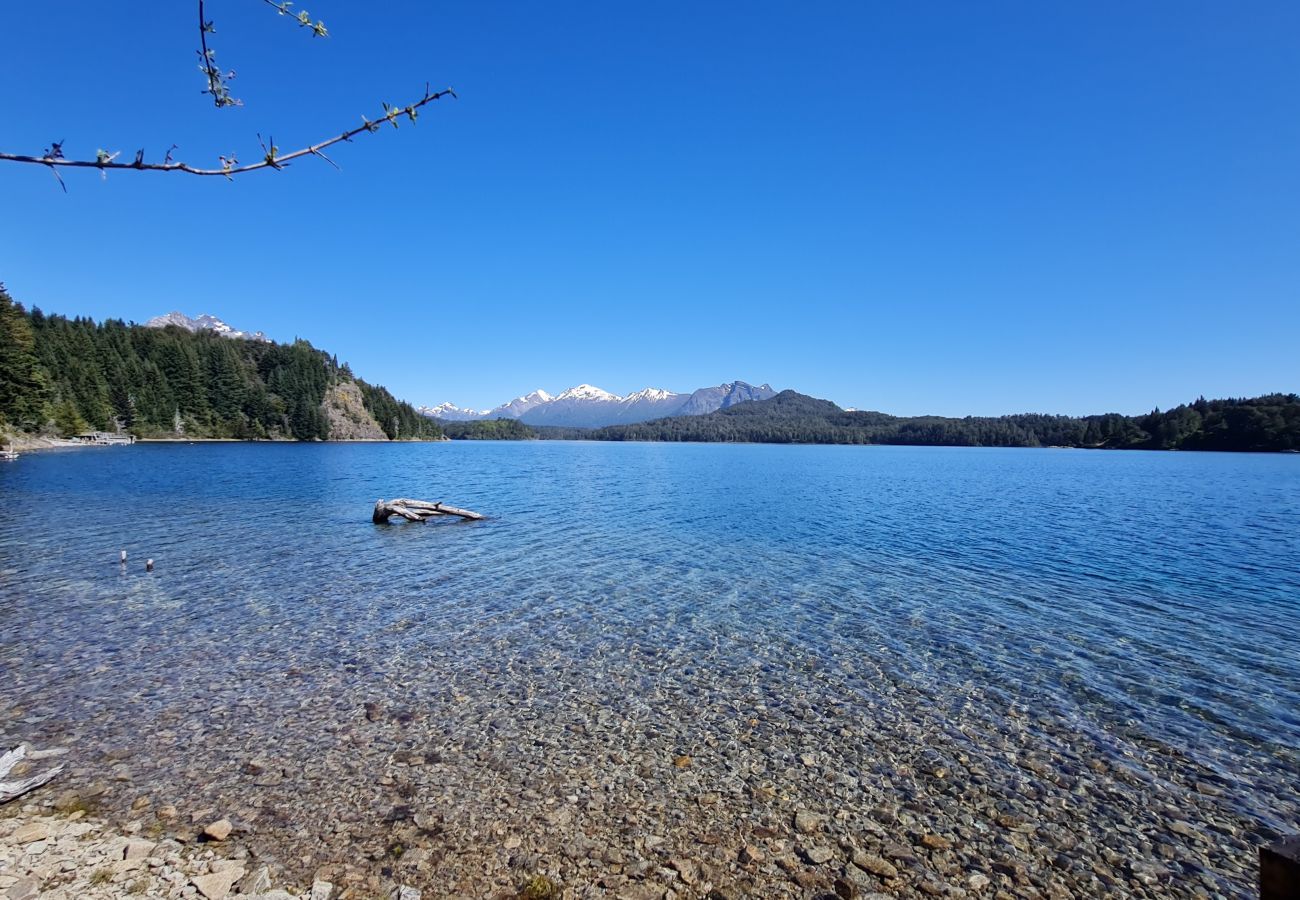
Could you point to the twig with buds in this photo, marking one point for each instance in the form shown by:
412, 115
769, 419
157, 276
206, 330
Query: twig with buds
272, 157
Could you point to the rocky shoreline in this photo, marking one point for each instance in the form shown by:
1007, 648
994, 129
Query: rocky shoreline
30, 443
642, 780
770, 809
68, 856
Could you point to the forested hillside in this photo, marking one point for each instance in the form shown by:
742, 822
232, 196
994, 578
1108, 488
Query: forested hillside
1271, 423
63, 376
489, 430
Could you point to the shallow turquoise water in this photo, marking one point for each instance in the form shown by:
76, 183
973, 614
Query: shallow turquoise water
1148, 603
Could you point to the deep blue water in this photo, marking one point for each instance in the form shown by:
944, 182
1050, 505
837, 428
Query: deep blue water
1148, 602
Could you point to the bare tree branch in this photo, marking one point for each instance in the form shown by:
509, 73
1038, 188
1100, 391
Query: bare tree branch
208, 66
54, 158
303, 18
217, 86
272, 158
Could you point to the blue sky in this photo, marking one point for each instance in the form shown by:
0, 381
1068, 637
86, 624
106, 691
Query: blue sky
953, 208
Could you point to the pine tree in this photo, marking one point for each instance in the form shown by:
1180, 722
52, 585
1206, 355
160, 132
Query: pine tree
67, 420
24, 390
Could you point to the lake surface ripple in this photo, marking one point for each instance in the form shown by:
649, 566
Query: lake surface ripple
1069, 673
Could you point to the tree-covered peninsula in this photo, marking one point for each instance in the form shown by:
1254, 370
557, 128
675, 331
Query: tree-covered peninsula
488, 430
61, 376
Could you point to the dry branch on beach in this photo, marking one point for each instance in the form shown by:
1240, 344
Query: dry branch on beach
10, 790
417, 511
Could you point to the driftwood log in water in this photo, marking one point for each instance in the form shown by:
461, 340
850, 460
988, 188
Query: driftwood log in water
417, 510
9, 790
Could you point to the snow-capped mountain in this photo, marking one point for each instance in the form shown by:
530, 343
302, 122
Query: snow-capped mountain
652, 395
587, 406
450, 412
588, 392
518, 406
204, 322
651, 403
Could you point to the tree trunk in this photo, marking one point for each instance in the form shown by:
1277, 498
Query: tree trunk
12, 789
417, 511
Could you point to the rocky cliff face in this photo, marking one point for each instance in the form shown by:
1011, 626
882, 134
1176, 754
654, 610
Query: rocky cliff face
347, 415
712, 399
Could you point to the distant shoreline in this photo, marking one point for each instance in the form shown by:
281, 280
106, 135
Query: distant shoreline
32, 444
27, 443
1090, 449
198, 440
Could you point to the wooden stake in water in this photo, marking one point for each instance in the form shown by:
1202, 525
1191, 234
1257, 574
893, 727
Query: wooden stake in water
1279, 870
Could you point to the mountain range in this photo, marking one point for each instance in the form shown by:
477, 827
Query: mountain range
587, 406
204, 322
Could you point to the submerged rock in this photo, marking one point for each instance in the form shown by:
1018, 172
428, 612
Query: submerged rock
869, 862
818, 855
258, 881
806, 822
218, 884
218, 830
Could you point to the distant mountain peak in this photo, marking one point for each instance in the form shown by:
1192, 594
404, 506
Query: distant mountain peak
518, 406
450, 412
707, 400
203, 322
652, 394
587, 392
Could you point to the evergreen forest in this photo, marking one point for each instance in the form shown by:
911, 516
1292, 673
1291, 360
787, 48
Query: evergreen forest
488, 430
61, 376
1268, 423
